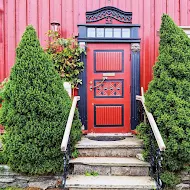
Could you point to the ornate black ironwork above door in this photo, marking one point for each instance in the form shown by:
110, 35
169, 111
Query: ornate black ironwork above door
108, 13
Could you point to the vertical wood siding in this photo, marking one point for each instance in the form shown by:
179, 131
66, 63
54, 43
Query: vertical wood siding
15, 15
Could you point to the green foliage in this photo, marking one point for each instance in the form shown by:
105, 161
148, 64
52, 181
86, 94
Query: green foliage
142, 130
170, 178
92, 173
2, 87
75, 153
35, 111
65, 54
2, 169
168, 97
3, 158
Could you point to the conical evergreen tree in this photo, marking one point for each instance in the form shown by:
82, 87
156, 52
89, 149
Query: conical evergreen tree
35, 111
168, 96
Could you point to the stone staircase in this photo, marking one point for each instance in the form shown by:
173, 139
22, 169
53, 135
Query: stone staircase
111, 165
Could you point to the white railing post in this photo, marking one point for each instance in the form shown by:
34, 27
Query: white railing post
69, 124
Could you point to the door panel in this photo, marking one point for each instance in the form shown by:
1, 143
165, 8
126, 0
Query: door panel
108, 115
108, 60
108, 88
111, 88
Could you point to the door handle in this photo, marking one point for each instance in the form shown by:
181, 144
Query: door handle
92, 87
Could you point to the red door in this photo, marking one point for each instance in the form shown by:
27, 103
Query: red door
108, 87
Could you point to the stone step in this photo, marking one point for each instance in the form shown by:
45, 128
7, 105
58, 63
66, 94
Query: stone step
81, 182
129, 147
110, 166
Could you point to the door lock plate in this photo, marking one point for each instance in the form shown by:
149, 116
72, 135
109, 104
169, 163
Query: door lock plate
108, 74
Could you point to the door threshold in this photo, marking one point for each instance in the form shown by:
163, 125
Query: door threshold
109, 134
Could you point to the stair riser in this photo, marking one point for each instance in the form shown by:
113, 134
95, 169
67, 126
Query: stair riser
109, 152
80, 169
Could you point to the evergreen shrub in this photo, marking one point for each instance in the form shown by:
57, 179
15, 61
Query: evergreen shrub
168, 99
35, 111
3, 159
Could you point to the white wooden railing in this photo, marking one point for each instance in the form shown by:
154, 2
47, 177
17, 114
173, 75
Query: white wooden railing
152, 122
69, 124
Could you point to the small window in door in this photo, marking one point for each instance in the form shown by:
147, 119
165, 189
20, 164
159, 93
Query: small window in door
91, 32
108, 32
117, 32
100, 32
125, 33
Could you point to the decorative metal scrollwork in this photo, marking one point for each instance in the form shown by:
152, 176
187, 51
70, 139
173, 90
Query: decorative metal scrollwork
108, 13
66, 158
155, 154
155, 159
109, 88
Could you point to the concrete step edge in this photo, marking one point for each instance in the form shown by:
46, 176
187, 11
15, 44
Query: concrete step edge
78, 146
126, 143
111, 182
110, 161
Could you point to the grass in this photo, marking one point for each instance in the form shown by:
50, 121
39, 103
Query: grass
93, 173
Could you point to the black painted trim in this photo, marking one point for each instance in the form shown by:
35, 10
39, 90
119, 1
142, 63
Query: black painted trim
118, 40
83, 93
104, 126
109, 25
134, 37
114, 80
135, 87
94, 54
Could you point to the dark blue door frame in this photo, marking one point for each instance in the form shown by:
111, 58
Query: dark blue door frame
134, 40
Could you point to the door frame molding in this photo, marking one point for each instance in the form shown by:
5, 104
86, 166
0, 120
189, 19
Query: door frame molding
134, 41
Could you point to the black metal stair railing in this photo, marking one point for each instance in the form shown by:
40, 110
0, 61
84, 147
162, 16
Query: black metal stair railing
66, 159
155, 159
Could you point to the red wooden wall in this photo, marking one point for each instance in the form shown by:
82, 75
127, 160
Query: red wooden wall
19, 13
